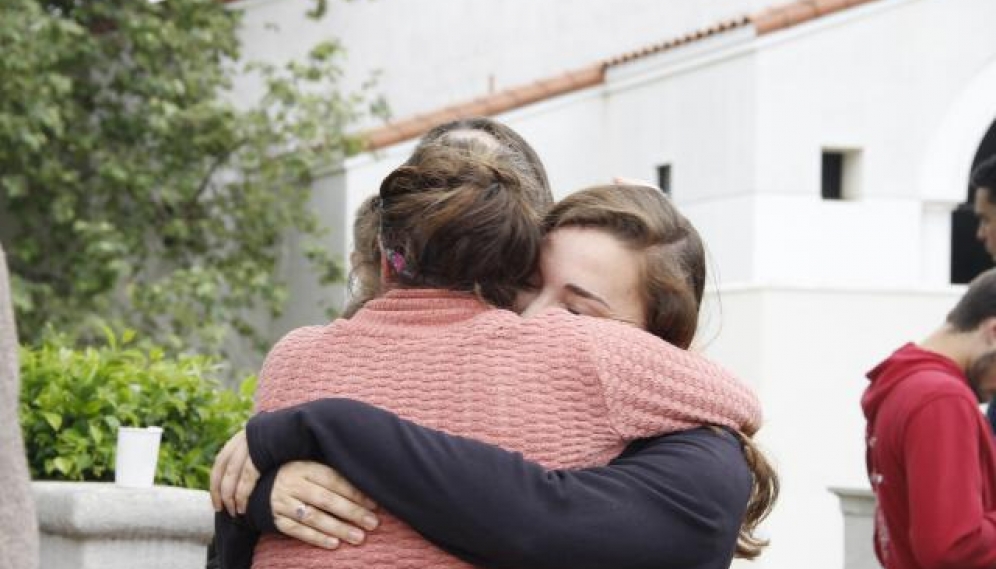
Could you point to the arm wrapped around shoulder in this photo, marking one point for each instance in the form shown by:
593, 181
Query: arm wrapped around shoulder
652, 388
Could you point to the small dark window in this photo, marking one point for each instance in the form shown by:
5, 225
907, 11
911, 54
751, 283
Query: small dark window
840, 174
832, 173
968, 256
664, 178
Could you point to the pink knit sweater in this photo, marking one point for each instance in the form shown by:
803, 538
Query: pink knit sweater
564, 390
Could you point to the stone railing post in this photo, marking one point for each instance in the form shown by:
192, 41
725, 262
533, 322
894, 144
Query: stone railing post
858, 507
94, 525
19, 542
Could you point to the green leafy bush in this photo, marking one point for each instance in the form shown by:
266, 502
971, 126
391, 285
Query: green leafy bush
73, 401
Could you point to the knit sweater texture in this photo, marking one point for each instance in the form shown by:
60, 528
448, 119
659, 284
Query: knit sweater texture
566, 391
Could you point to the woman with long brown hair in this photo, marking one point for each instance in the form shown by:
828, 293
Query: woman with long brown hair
652, 315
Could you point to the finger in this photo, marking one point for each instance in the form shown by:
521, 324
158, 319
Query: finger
220, 464
230, 480
309, 515
328, 478
337, 505
291, 528
247, 481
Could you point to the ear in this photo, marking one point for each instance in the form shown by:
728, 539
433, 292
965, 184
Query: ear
988, 330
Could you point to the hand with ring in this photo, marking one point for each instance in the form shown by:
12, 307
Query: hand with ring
315, 504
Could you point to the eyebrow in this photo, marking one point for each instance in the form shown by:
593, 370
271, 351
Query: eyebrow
586, 294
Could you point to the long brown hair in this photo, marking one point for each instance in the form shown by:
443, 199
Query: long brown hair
462, 215
673, 280
763, 495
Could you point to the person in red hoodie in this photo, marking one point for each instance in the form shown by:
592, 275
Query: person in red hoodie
930, 454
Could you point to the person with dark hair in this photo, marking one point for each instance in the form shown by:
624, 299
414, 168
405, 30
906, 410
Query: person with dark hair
983, 188
460, 234
930, 454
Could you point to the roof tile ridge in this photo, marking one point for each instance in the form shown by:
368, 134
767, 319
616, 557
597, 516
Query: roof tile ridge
765, 21
780, 17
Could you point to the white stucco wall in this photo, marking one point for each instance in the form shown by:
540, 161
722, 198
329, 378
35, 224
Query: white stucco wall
432, 53
879, 78
806, 350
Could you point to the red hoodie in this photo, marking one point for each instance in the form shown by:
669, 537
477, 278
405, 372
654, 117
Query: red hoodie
932, 463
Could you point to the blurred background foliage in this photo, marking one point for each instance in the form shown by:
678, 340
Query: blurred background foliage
134, 192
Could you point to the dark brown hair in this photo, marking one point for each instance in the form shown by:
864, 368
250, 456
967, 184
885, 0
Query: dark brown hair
462, 215
765, 488
485, 129
984, 176
673, 280
364, 277
977, 304
645, 220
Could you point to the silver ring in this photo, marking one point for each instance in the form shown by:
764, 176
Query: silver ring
300, 512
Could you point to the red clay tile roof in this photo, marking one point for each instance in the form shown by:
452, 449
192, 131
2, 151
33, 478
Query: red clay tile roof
400, 131
678, 41
788, 15
764, 22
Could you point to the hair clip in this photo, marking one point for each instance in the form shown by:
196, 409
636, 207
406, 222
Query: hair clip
398, 262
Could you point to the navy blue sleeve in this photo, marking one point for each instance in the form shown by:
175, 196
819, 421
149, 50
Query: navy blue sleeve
234, 542
235, 538
674, 501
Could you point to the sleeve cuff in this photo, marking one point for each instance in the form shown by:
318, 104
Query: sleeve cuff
255, 439
259, 513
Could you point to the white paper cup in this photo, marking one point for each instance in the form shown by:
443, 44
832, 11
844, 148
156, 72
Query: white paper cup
138, 453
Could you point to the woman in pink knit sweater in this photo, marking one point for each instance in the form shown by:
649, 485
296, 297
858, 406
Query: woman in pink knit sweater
460, 234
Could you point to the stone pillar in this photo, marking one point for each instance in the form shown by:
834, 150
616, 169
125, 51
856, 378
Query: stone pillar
858, 507
95, 525
18, 531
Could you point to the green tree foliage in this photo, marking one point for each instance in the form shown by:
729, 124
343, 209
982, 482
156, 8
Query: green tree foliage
73, 401
132, 190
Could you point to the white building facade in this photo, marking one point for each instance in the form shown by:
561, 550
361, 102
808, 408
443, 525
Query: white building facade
813, 281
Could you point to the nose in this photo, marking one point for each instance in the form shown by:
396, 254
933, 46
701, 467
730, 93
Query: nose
543, 300
980, 231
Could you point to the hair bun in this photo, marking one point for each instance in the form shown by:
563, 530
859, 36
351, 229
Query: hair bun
403, 180
462, 215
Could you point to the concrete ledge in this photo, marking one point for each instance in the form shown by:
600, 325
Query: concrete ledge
858, 507
94, 525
